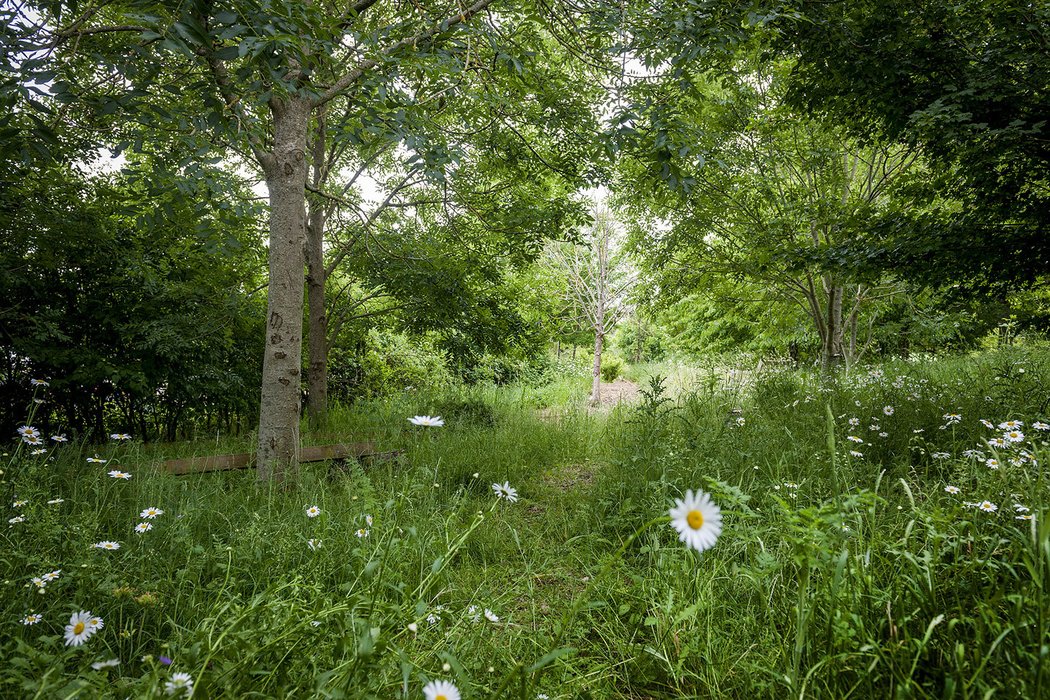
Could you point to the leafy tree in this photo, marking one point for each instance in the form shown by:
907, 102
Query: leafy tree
765, 186
252, 77
133, 302
968, 83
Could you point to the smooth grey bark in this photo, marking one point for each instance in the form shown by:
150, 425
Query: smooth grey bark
596, 371
285, 168
316, 280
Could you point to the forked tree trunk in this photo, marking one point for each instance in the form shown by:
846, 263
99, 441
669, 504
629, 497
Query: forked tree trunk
285, 169
833, 327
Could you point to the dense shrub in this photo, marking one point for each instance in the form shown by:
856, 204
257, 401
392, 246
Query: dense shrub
612, 367
385, 362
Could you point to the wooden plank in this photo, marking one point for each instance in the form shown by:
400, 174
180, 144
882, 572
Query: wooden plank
319, 453
215, 463
315, 453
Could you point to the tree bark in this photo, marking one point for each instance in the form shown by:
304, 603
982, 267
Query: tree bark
277, 457
596, 383
316, 280
833, 332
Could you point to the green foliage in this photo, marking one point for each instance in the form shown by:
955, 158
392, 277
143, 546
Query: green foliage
612, 367
967, 81
383, 363
131, 302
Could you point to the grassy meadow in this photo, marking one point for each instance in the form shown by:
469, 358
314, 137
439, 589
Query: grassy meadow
869, 548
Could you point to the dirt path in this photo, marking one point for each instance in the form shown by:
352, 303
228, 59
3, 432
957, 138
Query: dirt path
620, 391
617, 392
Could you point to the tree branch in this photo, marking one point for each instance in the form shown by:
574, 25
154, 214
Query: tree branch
427, 36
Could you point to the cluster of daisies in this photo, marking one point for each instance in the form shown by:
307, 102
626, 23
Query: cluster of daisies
1007, 445
874, 427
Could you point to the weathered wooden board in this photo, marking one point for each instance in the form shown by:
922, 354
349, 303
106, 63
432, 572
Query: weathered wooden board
315, 453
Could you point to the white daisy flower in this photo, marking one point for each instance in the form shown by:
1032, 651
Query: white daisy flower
15, 520
854, 438
941, 455
96, 460
143, 527
60, 438
697, 520
987, 423
992, 463
951, 489
51, 575
368, 520
1013, 436
117, 474
55, 501
361, 532
38, 582
854, 453
427, 421
491, 616
180, 683
39, 382
888, 410
505, 490
1026, 516
313, 511
997, 442
28, 431
987, 506
884, 434
79, 629
120, 436
1040, 425
1011, 425
32, 619
33, 440
106, 544
854, 422
952, 418
19, 504
1021, 508
40, 451
151, 513
440, 690
96, 623
313, 544
99, 665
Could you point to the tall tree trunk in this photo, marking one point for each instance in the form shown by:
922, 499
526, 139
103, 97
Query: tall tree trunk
316, 280
278, 448
833, 332
317, 338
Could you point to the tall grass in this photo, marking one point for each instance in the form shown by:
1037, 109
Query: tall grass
836, 575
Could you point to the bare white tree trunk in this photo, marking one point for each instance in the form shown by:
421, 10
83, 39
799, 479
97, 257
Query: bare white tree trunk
598, 285
596, 371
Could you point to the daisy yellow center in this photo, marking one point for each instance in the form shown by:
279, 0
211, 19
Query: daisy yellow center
78, 628
441, 697
695, 519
